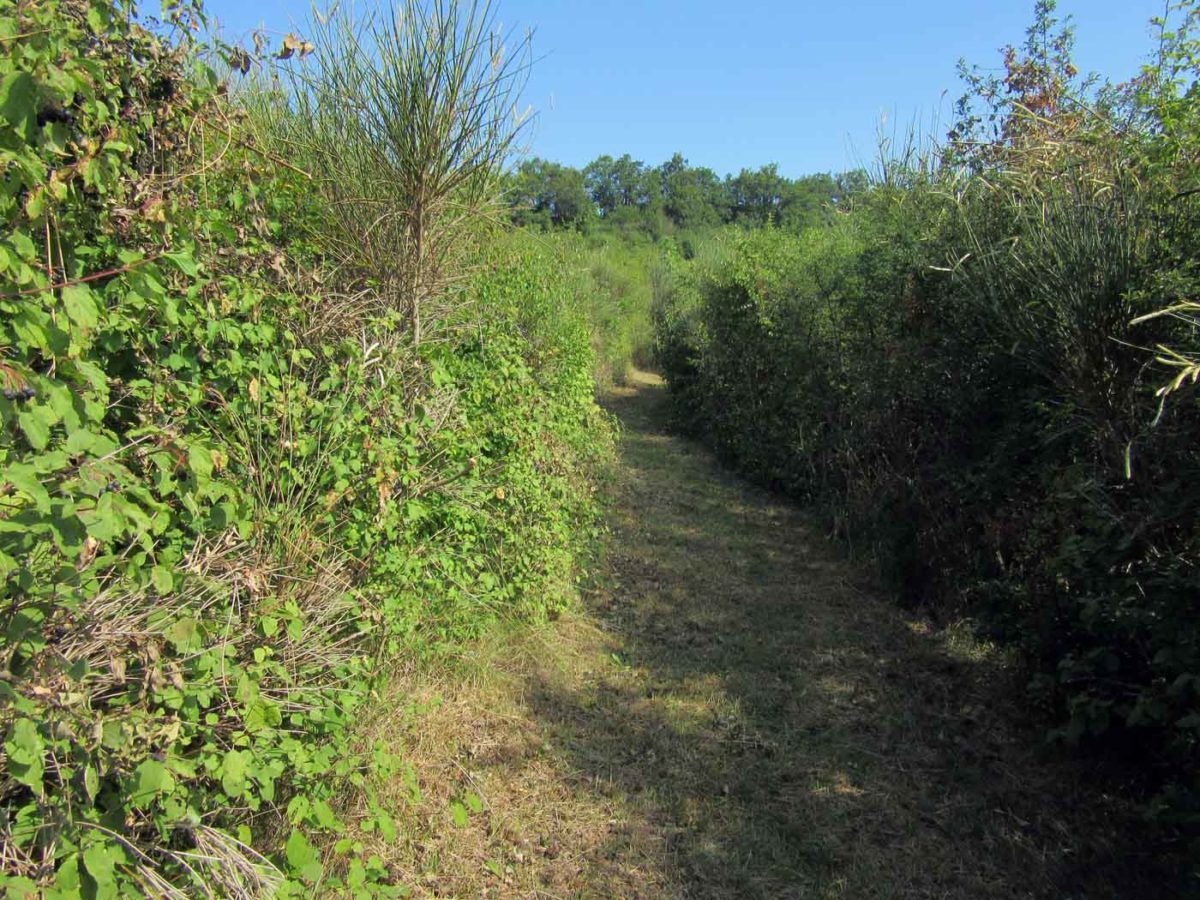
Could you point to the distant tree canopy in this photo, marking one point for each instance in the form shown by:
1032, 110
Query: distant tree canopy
546, 193
628, 194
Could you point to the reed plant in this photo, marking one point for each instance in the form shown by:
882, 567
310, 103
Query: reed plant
405, 117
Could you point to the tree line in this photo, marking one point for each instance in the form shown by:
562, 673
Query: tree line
629, 195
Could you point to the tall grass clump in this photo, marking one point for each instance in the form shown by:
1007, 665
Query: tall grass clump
239, 476
965, 370
405, 116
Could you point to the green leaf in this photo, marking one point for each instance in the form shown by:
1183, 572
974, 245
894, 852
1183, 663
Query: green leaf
325, 817
67, 880
113, 736
80, 441
387, 826
234, 767
152, 779
18, 96
91, 782
262, 714
104, 522
357, 876
184, 262
302, 857
200, 461
99, 861
163, 580
36, 424
95, 375
26, 754
19, 887
21, 242
459, 815
23, 477
184, 635
81, 305
99, 17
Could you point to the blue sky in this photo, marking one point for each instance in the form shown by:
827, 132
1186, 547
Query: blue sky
805, 84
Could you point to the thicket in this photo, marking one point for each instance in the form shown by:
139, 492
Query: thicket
984, 373
279, 406
613, 278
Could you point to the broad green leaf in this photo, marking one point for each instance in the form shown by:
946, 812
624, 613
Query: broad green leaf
94, 374
104, 522
21, 242
387, 826
80, 441
99, 860
163, 580
18, 102
200, 461
66, 879
183, 261
113, 736
302, 857
184, 635
80, 305
17, 888
24, 478
233, 772
26, 754
324, 815
91, 782
152, 779
36, 424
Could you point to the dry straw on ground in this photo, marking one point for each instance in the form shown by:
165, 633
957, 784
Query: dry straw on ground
736, 714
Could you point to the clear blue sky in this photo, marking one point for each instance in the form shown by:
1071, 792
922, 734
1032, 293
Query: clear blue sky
802, 83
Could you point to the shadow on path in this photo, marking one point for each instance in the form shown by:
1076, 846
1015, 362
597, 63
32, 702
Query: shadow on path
773, 728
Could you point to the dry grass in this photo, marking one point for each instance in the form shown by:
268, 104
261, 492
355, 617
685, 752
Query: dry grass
737, 715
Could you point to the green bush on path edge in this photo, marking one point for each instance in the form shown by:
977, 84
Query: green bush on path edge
232, 488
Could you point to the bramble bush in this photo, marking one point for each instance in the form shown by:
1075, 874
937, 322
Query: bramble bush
961, 370
227, 505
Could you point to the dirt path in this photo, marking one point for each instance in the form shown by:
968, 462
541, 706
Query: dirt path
738, 714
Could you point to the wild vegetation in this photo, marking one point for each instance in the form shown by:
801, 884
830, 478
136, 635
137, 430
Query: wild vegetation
298, 429
624, 224
270, 423
982, 372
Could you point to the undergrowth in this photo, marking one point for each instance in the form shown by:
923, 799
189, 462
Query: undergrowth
242, 471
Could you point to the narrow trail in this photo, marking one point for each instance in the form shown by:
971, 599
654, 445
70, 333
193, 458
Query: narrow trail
739, 714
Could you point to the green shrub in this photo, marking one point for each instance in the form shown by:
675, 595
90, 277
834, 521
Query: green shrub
227, 506
957, 372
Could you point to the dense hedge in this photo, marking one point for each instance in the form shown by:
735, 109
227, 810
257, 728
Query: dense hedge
224, 505
953, 371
